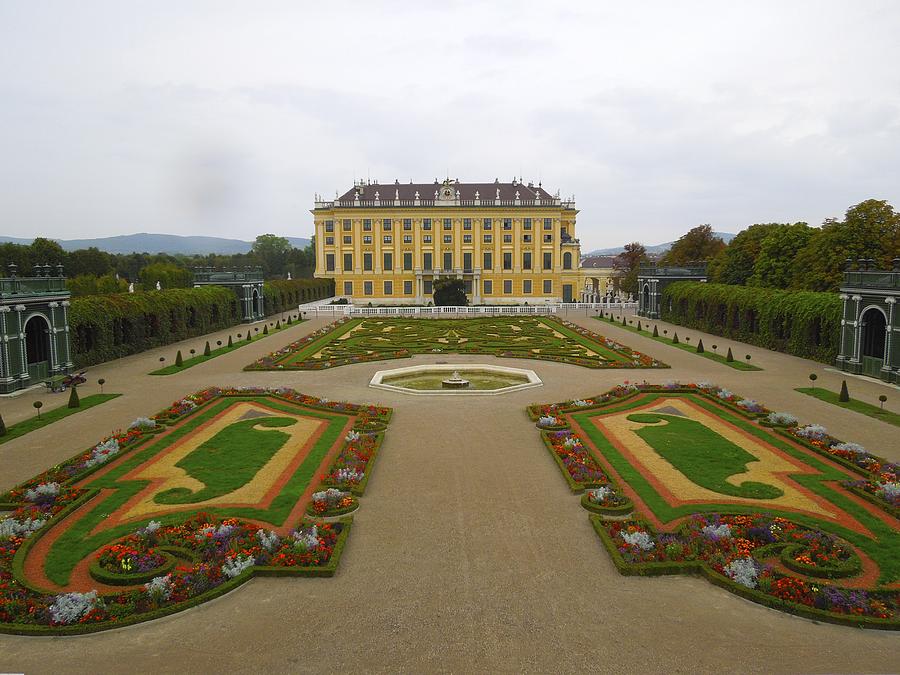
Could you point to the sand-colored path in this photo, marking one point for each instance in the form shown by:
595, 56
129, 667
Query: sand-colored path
495, 569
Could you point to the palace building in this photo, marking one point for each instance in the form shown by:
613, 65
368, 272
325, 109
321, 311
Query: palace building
509, 242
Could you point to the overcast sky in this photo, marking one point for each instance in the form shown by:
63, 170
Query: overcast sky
224, 118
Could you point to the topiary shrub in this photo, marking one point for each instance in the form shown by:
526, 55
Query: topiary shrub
639, 327
206, 349
700, 346
729, 357
2, 426
844, 396
278, 325
230, 342
249, 339
675, 338
74, 401
655, 331
178, 360
266, 329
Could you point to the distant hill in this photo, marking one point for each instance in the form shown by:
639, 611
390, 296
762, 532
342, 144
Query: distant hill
657, 249
144, 242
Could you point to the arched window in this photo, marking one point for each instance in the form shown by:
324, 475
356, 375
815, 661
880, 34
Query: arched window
567, 260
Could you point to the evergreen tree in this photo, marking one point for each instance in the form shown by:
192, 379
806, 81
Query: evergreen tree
230, 342
844, 396
729, 357
74, 401
700, 346
655, 331
266, 329
206, 349
675, 338
178, 359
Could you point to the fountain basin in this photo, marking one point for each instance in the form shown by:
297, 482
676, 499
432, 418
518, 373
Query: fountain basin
466, 379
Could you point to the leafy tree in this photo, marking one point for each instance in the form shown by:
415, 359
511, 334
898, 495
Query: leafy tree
90, 261
272, 252
774, 266
627, 265
47, 252
450, 292
699, 243
167, 274
734, 263
870, 229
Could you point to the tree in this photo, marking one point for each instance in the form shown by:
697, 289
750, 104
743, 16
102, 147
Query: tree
91, 261
47, 252
169, 275
272, 251
699, 243
844, 396
450, 292
627, 265
734, 263
74, 401
870, 229
774, 266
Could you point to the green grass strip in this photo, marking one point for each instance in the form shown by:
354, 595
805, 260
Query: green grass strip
219, 351
853, 404
51, 416
712, 356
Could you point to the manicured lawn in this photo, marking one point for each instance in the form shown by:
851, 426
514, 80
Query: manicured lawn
219, 351
51, 416
737, 364
853, 404
545, 338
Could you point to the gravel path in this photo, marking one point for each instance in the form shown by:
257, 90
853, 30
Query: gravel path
469, 553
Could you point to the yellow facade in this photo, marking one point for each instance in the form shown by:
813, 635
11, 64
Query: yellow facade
509, 242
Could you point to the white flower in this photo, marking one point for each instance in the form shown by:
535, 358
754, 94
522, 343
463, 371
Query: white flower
70, 607
855, 448
352, 436
601, 493
234, 566
744, 571
142, 423
10, 527
307, 540
889, 491
814, 432
548, 421
784, 419
580, 403
160, 588
102, 452
44, 492
268, 540
722, 531
640, 539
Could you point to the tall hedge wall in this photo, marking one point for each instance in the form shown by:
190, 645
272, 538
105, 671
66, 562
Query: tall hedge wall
282, 294
105, 327
802, 323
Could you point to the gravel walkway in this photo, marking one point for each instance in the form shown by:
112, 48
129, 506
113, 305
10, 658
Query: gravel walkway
469, 553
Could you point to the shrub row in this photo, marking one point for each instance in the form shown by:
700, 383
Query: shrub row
106, 327
801, 323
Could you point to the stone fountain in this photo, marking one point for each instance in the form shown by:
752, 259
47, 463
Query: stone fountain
455, 382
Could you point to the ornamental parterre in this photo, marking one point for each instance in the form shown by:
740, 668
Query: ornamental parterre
349, 341
151, 551
694, 479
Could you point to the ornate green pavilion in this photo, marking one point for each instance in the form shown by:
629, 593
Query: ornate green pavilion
652, 280
870, 326
34, 327
247, 284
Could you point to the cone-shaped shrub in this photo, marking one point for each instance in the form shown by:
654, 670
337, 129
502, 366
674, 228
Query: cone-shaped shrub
230, 342
700, 346
2, 426
278, 325
729, 358
248, 336
624, 323
289, 320
675, 338
639, 326
178, 359
206, 349
266, 329
655, 331
74, 401
844, 396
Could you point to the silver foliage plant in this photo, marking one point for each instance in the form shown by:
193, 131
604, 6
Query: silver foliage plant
45, 492
234, 566
10, 527
160, 588
70, 607
641, 539
744, 571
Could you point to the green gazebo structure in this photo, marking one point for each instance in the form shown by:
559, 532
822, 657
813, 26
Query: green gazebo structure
652, 280
870, 324
247, 284
34, 328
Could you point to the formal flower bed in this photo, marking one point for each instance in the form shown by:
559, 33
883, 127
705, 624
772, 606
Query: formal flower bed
167, 567
579, 466
769, 559
747, 553
218, 554
331, 502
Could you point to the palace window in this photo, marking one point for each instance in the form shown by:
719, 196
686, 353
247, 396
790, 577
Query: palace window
388, 262
467, 223
329, 241
367, 238
329, 262
407, 238
507, 286
567, 260
526, 286
426, 223
367, 262
388, 239
426, 261
407, 288
407, 262
367, 288
548, 238
407, 224
507, 238
448, 261
548, 223
526, 238
388, 287
426, 287
467, 262
488, 261
507, 261
347, 225
467, 238
367, 224
386, 224
348, 262
548, 260
488, 238
526, 224
488, 287
486, 225
448, 238
448, 223
507, 223
467, 284
526, 260
348, 239
329, 226
426, 238
348, 288
548, 286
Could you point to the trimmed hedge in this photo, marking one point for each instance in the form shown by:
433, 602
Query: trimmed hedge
801, 323
284, 294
